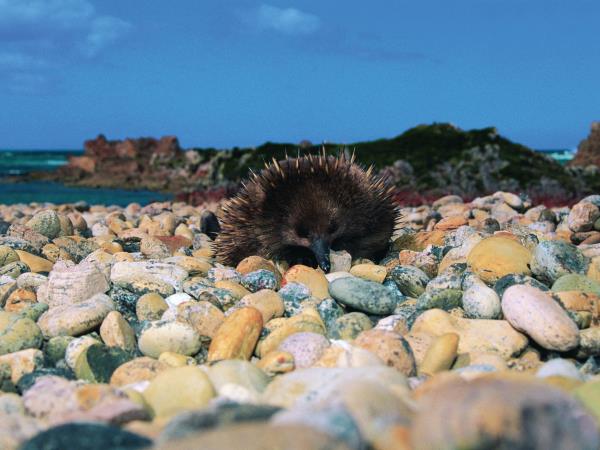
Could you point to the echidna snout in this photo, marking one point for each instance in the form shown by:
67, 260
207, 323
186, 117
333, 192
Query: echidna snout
299, 209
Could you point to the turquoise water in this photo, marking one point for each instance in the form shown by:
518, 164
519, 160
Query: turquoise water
19, 162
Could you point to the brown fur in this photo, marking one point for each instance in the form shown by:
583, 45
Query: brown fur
279, 211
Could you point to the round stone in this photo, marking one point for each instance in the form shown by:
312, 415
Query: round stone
411, 280
260, 279
553, 259
537, 314
306, 348
178, 389
393, 350
349, 326
497, 256
481, 302
46, 223
510, 280
160, 336
576, 282
366, 296
369, 272
445, 299
150, 307
18, 333
314, 280
137, 370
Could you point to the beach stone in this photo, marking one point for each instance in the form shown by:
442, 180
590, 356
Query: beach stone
153, 248
115, 331
86, 436
259, 436
150, 307
76, 347
172, 274
366, 296
576, 282
370, 272
293, 294
559, 367
224, 274
31, 281
19, 299
314, 280
22, 362
236, 338
254, 263
193, 266
268, 302
589, 342
481, 302
203, 316
141, 284
18, 333
440, 355
77, 318
450, 223
341, 261
161, 336
7, 287
35, 263
510, 280
276, 362
177, 390
215, 416
277, 330
174, 300
55, 348
537, 314
524, 411
475, 335
582, 216
330, 311
349, 326
14, 269
137, 370
553, 259
7, 255
317, 385
496, 256
411, 280
445, 299
46, 223
97, 363
70, 284
390, 347
306, 348
238, 380
341, 354
17, 243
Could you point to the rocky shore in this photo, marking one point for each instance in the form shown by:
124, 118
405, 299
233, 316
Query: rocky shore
479, 329
424, 163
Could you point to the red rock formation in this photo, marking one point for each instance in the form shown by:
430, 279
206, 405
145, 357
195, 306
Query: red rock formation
588, 152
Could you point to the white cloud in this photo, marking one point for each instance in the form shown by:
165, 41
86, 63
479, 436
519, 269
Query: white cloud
37, 35
289, 21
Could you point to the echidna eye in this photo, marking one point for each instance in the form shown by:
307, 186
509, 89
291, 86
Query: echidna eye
302, 231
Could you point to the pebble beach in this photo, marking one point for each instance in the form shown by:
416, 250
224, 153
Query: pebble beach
479, 329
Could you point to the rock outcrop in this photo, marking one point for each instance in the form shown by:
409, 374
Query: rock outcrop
588, 152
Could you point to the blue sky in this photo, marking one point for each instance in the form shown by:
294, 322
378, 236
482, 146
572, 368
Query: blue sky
225, 73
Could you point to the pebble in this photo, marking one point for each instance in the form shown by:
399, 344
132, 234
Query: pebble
77, 318
582, 216
35, 263
177, 390
46, 223
553, 259
259, 280
160, 336
497, 256
314, 280
370, 272
446, 299
390, 347
237, 380
203, 316
349, 326
137, 370
236, 338
475, 335
268, 302
537, 314
366, 296
254, 263
115, 331
305, 347
97, 363
341, 261
440, 355
71, 284
293, 294
481, 302
412, 281
18, 333
576, 282
150, 307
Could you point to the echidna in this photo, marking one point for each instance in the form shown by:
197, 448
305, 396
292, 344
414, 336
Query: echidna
299, 208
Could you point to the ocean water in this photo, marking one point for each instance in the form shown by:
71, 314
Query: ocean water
19, 162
